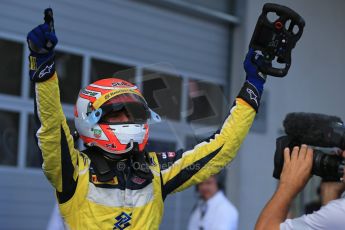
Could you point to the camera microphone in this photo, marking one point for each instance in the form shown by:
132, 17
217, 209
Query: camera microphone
315, 129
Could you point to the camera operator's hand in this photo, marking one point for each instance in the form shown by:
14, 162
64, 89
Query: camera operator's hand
297, 169
295, 174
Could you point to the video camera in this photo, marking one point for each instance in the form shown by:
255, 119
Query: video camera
317, 130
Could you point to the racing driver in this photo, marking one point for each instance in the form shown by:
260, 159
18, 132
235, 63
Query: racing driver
115, 183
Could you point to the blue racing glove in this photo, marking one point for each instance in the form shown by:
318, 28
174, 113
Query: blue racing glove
253, 87
251, 65
41, 41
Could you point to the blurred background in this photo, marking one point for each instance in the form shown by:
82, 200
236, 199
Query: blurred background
186, 56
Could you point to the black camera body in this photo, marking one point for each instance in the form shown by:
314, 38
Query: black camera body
317, 130
328, 166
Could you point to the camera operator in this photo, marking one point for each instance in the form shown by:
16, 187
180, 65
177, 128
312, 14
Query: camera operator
295, 174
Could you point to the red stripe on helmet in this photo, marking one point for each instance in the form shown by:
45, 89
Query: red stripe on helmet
89, 98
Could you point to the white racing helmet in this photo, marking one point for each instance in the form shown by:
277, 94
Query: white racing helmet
95, 116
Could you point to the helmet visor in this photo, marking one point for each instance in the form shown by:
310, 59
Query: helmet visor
125, 108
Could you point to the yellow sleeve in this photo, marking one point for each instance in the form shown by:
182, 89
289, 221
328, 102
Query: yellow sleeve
60, 158
208, 157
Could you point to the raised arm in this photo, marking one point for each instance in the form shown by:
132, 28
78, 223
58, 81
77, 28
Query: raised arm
53, 136
182, 169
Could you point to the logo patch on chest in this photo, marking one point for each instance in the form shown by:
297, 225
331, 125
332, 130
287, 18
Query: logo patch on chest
113, 181
122, 221
138, 180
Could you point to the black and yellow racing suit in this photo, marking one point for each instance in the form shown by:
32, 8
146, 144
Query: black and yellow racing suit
123, 202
